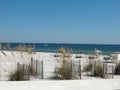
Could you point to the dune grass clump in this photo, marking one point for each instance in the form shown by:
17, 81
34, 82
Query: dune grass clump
117, 69
21, 73
21, 48
18, 74
98, 70
64, 72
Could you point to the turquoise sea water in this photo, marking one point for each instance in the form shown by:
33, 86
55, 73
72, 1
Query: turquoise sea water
84, 48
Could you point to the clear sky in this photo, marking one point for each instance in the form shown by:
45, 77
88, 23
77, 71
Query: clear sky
60, 21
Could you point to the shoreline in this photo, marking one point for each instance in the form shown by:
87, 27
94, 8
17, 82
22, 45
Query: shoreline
54, 47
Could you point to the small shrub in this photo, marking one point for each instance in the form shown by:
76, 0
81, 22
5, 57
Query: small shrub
78, 56
106, 58
117, 69
91, 57
56, 55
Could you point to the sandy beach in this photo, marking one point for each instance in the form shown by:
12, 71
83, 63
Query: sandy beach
9, 60
62, 85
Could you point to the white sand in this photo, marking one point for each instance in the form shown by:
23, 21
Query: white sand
62, 85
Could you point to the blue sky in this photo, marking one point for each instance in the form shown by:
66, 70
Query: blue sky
60, 21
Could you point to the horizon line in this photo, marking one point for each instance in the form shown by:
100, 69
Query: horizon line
62, 43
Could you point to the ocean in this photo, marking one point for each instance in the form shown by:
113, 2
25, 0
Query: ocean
84, 48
